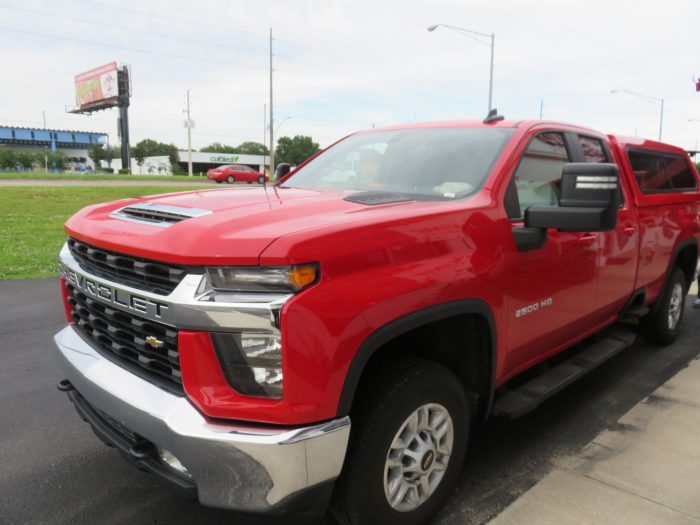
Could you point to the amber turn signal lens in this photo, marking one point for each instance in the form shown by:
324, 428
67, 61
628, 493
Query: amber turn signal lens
302, 276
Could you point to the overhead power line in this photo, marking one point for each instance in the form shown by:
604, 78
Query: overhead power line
94, 23
127, 48
168, 18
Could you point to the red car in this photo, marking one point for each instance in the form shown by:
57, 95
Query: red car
236, 173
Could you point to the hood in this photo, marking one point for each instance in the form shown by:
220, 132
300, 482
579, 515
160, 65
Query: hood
226, 226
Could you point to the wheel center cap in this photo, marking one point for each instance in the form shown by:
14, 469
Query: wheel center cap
427, 460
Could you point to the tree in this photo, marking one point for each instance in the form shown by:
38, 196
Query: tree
217, 147
153, 148
26, 160
252, 148
97, 153
57, 160
295, 150
8, 159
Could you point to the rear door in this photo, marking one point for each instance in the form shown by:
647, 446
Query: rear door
618, 250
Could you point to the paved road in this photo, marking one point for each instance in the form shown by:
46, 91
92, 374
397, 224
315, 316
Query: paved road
141, 182
53, 470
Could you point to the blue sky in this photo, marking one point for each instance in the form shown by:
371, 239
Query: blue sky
348, 65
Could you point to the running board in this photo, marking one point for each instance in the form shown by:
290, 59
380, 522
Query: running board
528, 396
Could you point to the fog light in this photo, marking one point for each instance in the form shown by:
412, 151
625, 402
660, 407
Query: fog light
251, 362
171, 461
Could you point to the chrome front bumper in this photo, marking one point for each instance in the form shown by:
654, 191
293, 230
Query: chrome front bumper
235, 466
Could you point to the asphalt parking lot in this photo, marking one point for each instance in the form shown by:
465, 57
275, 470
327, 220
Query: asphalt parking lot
54, 470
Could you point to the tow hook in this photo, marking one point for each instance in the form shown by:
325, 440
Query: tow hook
65, 386
142, 449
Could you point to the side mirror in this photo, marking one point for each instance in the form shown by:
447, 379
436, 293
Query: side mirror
590, 194
282, 170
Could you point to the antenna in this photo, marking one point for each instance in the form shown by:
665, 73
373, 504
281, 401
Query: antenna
493, 116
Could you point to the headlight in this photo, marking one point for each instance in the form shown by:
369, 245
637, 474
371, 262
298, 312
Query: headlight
252, 362
263, 278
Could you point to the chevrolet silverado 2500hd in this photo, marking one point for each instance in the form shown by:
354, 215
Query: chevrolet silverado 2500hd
333, 336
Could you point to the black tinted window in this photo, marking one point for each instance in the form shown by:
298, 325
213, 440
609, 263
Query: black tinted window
593, 150
656, 172
538, 176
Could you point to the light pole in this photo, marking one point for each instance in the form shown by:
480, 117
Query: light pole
475, 35
653, 99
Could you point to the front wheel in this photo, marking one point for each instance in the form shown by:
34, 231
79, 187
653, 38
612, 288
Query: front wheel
664, 324
408, 441
261, 180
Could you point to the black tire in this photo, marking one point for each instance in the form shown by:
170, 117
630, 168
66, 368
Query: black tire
359, 497
230, 179
219, 181
261, 180
657, 327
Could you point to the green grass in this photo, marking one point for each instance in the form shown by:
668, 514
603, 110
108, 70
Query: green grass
69, 176
31, 223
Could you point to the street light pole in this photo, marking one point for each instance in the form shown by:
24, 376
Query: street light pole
475, 35
189, 137
272, 129
653, 99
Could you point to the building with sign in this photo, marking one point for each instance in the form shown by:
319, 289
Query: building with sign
75, 144
201, 163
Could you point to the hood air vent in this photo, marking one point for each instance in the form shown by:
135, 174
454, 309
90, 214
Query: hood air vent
157, 214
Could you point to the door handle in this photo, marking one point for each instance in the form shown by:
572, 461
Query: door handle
629, 229
587, 239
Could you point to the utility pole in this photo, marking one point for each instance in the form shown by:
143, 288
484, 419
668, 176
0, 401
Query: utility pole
272, 128
44, 113
189, 137
541, 107
264, 135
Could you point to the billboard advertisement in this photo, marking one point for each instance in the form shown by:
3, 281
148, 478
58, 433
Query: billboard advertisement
97, 87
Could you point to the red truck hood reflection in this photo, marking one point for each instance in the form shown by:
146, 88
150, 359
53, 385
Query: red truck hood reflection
242, 224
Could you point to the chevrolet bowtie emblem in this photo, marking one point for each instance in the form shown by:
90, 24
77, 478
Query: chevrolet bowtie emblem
154, 342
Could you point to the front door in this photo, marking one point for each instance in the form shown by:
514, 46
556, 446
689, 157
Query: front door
551, 293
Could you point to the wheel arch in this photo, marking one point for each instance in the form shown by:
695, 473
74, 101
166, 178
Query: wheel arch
475, 309
685, 257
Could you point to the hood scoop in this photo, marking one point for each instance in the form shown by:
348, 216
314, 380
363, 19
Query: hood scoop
373, 198
157, 214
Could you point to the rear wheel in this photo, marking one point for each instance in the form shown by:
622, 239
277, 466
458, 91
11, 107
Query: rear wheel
230, 179
664, 324
408, 441
219, 181
261, 180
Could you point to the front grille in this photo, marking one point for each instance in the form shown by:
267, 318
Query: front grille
122, 338
142, 274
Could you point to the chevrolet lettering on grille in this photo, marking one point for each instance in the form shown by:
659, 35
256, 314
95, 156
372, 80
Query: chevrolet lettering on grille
107, 294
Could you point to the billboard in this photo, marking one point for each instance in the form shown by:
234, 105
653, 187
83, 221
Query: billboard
97, 87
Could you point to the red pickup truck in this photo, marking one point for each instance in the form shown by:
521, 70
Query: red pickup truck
331, 338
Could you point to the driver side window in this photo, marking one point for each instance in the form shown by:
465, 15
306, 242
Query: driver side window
538, 176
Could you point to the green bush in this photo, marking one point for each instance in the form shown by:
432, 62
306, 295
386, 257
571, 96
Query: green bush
124, 171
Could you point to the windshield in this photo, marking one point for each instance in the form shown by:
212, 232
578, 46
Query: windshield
429, 162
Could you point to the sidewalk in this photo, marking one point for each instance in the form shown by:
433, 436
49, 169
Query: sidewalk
643, 470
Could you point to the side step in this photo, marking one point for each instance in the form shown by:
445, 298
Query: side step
528, 396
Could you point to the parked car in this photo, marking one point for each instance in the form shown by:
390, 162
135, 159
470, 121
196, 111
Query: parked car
232, 173
334, 337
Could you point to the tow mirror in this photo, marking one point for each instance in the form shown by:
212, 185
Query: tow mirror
590, 194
